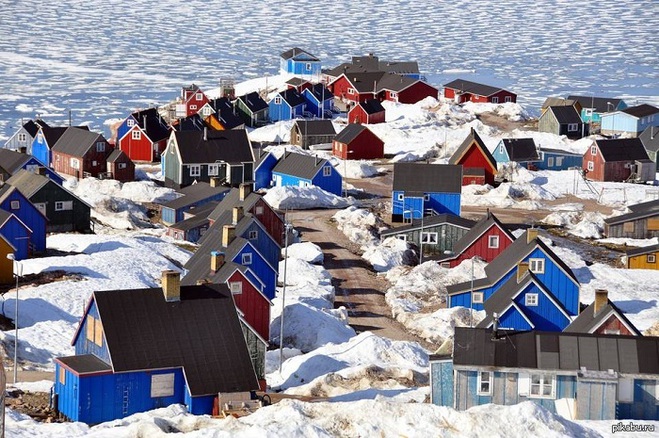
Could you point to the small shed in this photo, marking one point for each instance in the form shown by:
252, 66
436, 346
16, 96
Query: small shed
16, 233
120, 166
305, 133
357, 142
370, 111
642, 222
563, 120
299, 62
478, 164
519, 150
304, 171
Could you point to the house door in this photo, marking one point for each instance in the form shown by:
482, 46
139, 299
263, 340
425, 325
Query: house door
412, 208
596, 398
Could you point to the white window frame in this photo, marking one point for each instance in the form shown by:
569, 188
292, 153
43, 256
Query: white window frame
429, 238
559, 161
327, 170
572, 127
100, 146
402, 237
15, 205
277, 100
162, 385
246, 259
651, 258
213, 169
531, 300
22, 137
508, 99
258, 210
588, 112
351, 90
308, 66
195, 170
75, 163
426, 197
501, 149
495, 99
477, 297
544, 381
121, 165
590, 166
493, 242
136, 135
236, 287
593, 150
199, 96
550, 161
393, 94
130, 122
94, 163
537, 266
193, 107
400, 196
63, 205
480, 381
254, 234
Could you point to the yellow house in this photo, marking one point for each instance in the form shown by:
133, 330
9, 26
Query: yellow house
643, 258
6, 265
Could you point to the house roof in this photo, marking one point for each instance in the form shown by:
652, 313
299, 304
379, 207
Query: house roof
556, 351
32, 126
641, 110
622, 149
197, 217
350, 132
347, 68
645, 206
472, 87
399, 67
370, 63
254, 102
155, 127
521, 149
640, 211
292, 97
296, 82
566, 114
473, 137
600, 104
12, 161
298, 54
53, 133
558, 151
371, 106
232, 199
364, 82
588, 321
230, 146
261, 158
320, 92
557, 101
85, 364
200, 333
29, 184
642, 250
315, 127
300, 165
480, 228
650, 138
430, 221
395, 82
117, 155
76, 141
427, 178
193, 122
195, 193
5, 216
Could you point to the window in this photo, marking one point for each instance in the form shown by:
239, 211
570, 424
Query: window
542, 386
495, 99
98, 333
15, 205
477, 297
193, 107
100, 146
236, 287
351, 91
493, 242
426, 197
130, 122
591, 166
63, 205
393, 94
94, 163
327, 171
611, 331
213, 169
162, 385
593, 150
258, 210
121, 165
651, 258
62, 375
308, 66
136, 135
400, 197
90, 328
199, 96
550, 162
628, 227
508, 99
625, 390
446, 265
501, 149
402, 237
484, 383
22, 137
572, 127
253, 235
195, 170
277, 100
429, 238
559, 161
588, 112
537, 266
206, 111
531, 299
247, 259
75, 163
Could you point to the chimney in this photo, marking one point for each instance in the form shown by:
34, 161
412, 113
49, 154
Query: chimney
217, 260
601, 299
205, 133
495, 326
41, 170
228, 233
244, 190
171, 285
531, 233
144, 122
237, 214
215, 181
522, 269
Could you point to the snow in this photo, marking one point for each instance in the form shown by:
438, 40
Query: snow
306, 251
301, 198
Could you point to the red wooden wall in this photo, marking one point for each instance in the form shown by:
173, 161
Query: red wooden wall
480, 247
254, 305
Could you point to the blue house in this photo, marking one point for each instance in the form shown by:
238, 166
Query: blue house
552, 280
44, 141
141, 349
425, 189
11, 162
631, 121
556, 159
299, 62
13, 201
16, 233
195, 195
287, 105
263, 166
593, 107
518, 150
306, 170
576, 375
320, 100
194, 224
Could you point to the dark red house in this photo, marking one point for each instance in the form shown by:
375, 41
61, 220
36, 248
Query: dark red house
618, 160
465, 91
474, 155
81, 153
368, 112
404, 89
356, 87
120, 167
486, 240
357, 142
192, 100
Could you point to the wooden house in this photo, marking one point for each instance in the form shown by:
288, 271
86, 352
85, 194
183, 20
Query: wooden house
263, 166
559, 101
592, 108
439, 233
220, 114
486, 240
191, 101
602, 317
81, 153
22, 139
299, 84
557, 159
195, 122
461, 91
143, 135
43, 143
286, 105
563, 120
518, 150
33, 216
306, 170
404, 89
194, 224
252, 109
191, 346
16, 233
11, 162
6, 265
421, 189
356, 87
474, 154
201, 155
538, 259
119, 166
320, 100
305, 133
64, 210
368, 112
579, 376
357, 142
630, 121
300, 63
372, 63
642, 258
650, 140
192, 196
642, 222
618, 160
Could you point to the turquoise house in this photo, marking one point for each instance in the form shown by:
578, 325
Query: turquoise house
630, 121
593, 107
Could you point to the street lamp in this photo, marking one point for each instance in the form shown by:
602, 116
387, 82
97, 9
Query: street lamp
411, 213
19, 271
345, 173
287, 228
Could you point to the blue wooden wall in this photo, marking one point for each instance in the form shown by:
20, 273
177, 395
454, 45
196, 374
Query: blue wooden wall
266, 273
83, 345
566, 161
444, 203
263, 175
441, 376
281, 111
300, 67
30, 216
644, 406
41, 150
500, 153
124, 128
545, 316
16, 233
332, 183
264, 243
558, 282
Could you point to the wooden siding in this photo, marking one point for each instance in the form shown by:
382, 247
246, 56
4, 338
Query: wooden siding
270, 219
450, 93
141, 150
123, 175
77, 219
474, 158
6, 265
261, 269
340, 90
18, 236
634, 229
558, 282
256, 352
596, 400
611, 325
40, 149
416, 92
93, 162
447, 235
254, 306
545, 316
441, 376
480, 247
30, 216
642, 261
82, 344
566, 161
548, 123
358, 115
366, 146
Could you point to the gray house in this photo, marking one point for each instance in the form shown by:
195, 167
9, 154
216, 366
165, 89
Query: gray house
23, 138
305, 133
642, 222
563, 120
650, 140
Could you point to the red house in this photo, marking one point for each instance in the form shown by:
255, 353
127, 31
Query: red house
486, 240
357, 142
369, 112
192, 100
602, 317
465, 91
618, 160
404, 89
120, 167
143, 136
473, 155
81, 153
356, 87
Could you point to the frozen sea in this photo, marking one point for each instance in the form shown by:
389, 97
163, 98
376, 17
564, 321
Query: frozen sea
103, 59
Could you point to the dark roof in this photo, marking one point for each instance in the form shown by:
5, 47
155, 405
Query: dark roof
53, 133
556, 351
399, 67
521, 149
230, 146
558, 151
427, 178
200, 333
557, 101
566, 114
365, 82
76, 141
622, 149
254, 102
394, 82
155, 127
347, 68
300, 165
29, 183
32, 126
371, 106
12, 161
299, 55
641, 110
650, 138
430, 221
85, 364
195, 193
472, 87
292, 97
600, 104
296, 82
481, 227
194, 221
641, 211
191, 123
350, 132
645, 206
642, 250
321, 93
473, 137
588, 320
232, 199
315, 127
370, 63
116, 155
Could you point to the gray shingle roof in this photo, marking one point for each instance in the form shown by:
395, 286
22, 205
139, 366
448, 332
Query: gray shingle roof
296, 82
641, 110
155, 127
29, 184
601, 104
32, 126
292, 97
12, 161
195, 193
622, 149
588, 320
53, 133
642, 250
650, 138
557, 101
350, 132
254, 102
232, 199
473, 137
399, 67
371, 106
364, 82
472, 87
117, 154
521, 149
85, 364
321, 93
566, 114
76, 142
394, 82
230, 146
315, 127
430, 221
302, 166
427, 178
641, 213
299, 55
481, 227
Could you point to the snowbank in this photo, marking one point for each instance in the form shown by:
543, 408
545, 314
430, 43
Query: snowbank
302, 198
